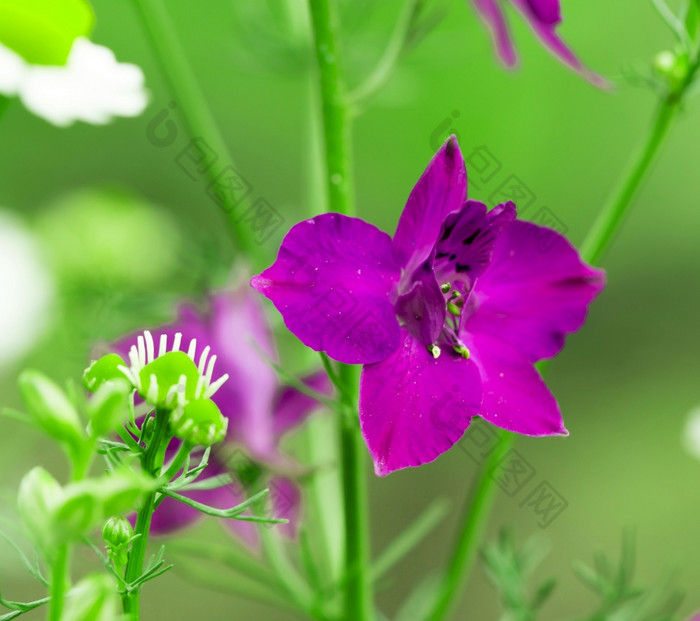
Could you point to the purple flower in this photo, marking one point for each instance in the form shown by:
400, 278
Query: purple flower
448, 317
544, 16
260, 411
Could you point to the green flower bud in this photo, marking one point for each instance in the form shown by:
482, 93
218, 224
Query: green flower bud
117, 532
161, 379
103, 370
50, 409
200, 422
109, 407
673, 67
94, 598
39, 495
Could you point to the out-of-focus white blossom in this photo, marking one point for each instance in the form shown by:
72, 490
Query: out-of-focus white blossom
26, 290
92, 86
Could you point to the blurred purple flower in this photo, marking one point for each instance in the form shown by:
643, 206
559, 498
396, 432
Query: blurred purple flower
260, 410
448, 318
544, 16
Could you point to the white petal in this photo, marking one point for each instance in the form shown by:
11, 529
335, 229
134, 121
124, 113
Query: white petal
91, 87
149, 345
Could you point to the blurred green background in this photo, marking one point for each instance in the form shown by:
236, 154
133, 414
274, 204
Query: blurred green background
626, 382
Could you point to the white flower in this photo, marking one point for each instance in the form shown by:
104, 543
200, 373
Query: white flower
26, 290
144, 353
92, 86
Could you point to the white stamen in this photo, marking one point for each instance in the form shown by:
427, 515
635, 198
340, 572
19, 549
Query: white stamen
210, 370
215, 386
149, 346
203, 359
192, 349
134, 360
176, 341
141, 350
163, 347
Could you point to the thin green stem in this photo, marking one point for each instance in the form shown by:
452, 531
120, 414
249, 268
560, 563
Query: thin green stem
480, 499
610, 218
192, 105
391, 56
59, 582
152, 464
358, 604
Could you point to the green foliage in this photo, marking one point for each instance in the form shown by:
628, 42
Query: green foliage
43, 31
93, 599
509, 568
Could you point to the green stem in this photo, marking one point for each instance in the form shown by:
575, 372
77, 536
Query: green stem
610, 218
59, 582
336, 125
192, 105
336, 133
479, 502
152, 464
358, 581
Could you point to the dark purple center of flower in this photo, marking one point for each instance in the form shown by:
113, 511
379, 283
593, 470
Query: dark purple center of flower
547, 11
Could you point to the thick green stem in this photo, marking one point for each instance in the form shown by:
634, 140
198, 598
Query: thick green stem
152, 464
192, 105
480, 499
336, 130
336, 123
358, 583
59, 582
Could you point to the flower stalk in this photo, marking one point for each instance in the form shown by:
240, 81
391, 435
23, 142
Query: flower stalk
152, 464
191, 103
358, 603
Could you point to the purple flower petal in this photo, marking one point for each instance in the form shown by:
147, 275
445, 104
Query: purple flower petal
332, 283
239, 333
545, 29
468, 238
515, 396
423, 308
441, 190
535, 291
492, 14
292, 407
414, 407
285, 500
546, 11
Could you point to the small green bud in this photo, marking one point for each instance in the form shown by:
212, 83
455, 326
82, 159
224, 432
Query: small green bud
200, 422
454, 309
103, 370
117, 532
160, 379
446, 287
435, 351
50, 409
672, 66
